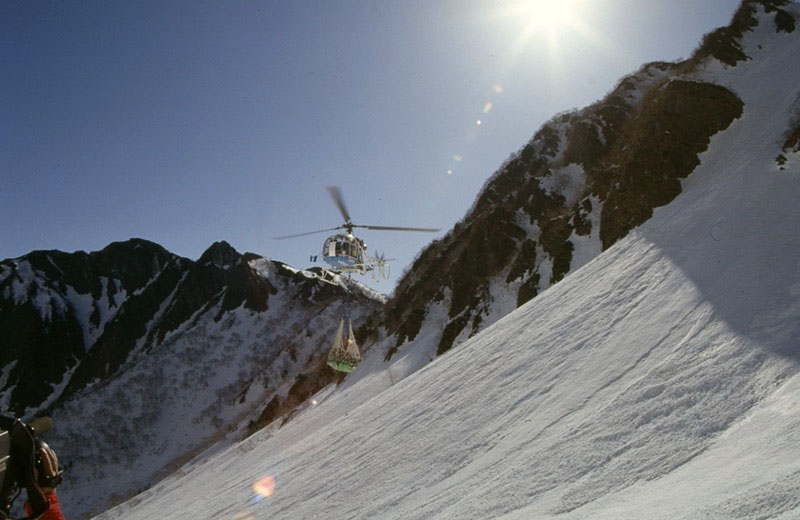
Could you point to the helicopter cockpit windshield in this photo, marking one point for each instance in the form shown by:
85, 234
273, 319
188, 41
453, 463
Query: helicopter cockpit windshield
343, 249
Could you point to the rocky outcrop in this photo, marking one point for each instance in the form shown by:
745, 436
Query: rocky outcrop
724, 43
661, 145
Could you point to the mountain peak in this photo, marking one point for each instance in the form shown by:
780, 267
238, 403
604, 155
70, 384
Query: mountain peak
132, 243
221, 254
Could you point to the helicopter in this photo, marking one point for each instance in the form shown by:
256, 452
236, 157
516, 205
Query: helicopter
346, 253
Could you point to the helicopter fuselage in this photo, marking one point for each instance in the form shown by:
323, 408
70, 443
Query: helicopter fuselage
343, 251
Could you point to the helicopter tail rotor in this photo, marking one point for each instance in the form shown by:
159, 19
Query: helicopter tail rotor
383, 265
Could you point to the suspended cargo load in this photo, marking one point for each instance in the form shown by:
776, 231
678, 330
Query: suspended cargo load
344, 355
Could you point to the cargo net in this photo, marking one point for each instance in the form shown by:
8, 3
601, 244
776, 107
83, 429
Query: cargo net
344, 355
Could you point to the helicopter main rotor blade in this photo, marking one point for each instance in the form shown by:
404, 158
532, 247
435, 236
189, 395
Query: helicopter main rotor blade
308, 233
395, 228
336, 194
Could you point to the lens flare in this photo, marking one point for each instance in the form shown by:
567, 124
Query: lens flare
478, 122
313, 402
449, 172
498, 89
457, 158
265, 486
487, 107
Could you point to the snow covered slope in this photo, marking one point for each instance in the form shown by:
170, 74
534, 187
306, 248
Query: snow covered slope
660, 380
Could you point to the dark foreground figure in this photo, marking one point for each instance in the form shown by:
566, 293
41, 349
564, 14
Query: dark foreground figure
28, 463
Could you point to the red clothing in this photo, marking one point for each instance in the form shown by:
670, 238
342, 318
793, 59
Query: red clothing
53, 513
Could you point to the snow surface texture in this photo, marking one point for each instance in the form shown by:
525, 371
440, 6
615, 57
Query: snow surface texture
661, 380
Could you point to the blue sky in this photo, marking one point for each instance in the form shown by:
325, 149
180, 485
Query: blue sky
188, 122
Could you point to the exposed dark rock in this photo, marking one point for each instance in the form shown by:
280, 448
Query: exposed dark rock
41, 350
580, 218
723, 43
792, 143
584, 143
220, 254
529, 289
525, 261
245, 287
784, 21
44, 331
128, 328
271, 412
451, 331
660, 148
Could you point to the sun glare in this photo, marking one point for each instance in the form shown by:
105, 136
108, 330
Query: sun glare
543, 19
550, 29
544, 13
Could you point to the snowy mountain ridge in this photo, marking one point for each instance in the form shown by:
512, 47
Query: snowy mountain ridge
145, 359
659, 380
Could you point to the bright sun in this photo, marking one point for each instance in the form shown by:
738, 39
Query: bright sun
545, 20
544, 13
545, 35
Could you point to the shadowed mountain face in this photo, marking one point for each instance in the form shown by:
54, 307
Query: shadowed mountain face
71, 319
585, 180
55, 306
